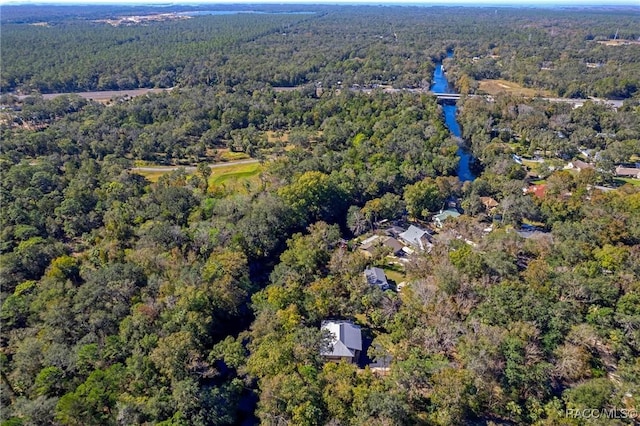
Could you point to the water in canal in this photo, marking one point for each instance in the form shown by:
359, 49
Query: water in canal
441, 85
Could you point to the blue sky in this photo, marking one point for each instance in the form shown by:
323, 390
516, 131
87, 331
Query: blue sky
426, 2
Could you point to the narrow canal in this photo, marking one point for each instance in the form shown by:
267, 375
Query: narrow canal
441, 85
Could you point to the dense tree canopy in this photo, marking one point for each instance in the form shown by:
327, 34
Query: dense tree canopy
558, 50
194, 295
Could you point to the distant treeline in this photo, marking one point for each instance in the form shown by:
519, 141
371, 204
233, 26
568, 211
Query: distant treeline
335, 46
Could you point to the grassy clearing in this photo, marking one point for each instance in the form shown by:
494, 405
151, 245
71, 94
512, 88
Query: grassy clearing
530, 164
144, 163
394, 272
227, 175
630, 181
234, 173
273, 137
152, 176
233, 156
493, 87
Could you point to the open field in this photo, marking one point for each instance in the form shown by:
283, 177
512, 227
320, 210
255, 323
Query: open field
618, 42
630, 181
234, 173
104, 96
394, 272
531, 163
221, 173
227, 155
493, 87
153, 176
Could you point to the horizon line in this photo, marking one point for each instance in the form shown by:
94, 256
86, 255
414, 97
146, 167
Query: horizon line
465, 3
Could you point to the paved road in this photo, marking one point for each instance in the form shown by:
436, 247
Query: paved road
107, 95
387, 89
192, 168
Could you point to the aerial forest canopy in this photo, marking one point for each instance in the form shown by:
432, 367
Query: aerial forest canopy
557, 50
176, 257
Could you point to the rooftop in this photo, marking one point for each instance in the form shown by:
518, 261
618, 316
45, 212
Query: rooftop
417, 237
346, 338
376, 276
446, 214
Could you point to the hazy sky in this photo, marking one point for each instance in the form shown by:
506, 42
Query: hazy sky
424, 2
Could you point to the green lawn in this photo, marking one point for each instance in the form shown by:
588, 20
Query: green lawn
227, 175
234, 173
233, 156
151, 176
394, 272
631, 181
530, 164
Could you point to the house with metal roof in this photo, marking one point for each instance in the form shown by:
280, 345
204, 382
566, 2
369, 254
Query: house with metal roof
417, 238
376, 276
345, 341
441, 217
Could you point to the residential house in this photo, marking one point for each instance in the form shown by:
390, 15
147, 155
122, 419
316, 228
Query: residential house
443, 216
376, 276
578, 165
394, 231
628, 172
417, 238
538, 191
586, 152
489, 203
370, 244
345, 341
395, 246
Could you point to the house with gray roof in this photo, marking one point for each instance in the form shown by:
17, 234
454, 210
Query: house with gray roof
417, 238
369, 246
345, 342
376, 276
393, 244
